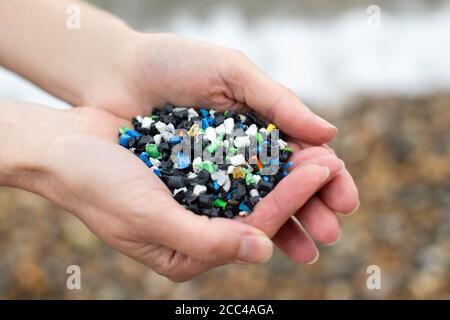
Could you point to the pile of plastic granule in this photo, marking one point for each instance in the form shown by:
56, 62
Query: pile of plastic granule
218, 164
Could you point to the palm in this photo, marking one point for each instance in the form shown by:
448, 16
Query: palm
116, 200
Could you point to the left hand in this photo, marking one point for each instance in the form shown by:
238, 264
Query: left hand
169, 68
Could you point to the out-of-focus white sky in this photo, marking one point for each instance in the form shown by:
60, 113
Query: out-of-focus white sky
326, 59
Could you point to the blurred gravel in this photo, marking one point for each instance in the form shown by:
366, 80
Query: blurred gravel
398, 150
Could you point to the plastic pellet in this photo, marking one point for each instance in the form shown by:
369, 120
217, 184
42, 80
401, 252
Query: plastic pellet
224, 184
152, 151
144, 158
219, 203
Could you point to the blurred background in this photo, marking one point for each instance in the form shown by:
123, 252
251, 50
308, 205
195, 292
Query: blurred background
382, 74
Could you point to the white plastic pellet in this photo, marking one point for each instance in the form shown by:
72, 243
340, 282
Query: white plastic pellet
220, 129
229, 125
179, 190
282, 143
147, 122
252, 130
192, 113
231, 169
254, 193
196, 163
199, 189
220, 176
211, 134
157, 138
161, 126
191, 175
257, 178
170, 128
227, 185
241, 142
237, 160
155, 162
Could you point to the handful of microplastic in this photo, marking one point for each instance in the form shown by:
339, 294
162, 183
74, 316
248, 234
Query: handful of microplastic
218, 164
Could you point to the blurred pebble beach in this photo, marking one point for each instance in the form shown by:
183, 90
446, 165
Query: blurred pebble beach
392, 109
398, 150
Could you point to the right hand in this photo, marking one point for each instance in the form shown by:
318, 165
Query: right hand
75, 162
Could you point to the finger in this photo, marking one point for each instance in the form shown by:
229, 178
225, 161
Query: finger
341, 195
294, 242
177, 266
300, 155
319, 221
332, 161
289, 195
281, 105
216, 240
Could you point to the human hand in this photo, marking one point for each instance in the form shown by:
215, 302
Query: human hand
182, 71
75, 162
107, 65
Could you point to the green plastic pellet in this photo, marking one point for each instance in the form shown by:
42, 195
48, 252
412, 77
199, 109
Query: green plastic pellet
259, 137
233, 150
288, 149
152, 151
212, 147
226, 112
219, 203
249, 179
154, 117
123, 129
209, 166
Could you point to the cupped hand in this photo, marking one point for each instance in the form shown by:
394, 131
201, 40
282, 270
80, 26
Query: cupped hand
160, 68
85, 171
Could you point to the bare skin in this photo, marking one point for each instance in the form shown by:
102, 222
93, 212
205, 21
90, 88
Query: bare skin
117, 73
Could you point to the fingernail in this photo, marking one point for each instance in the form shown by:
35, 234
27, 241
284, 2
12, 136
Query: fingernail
315, 258
334, 242
351, 212
255, 249
354, 210
325, 123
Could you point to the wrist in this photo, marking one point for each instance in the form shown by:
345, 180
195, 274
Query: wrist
27, 132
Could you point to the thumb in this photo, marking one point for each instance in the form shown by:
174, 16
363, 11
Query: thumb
215, 240
277, 103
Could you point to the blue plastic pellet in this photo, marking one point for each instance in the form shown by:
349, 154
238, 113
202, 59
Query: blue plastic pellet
182, 160
144, 158
175, 139
124, 138
288, 165
275, 162
133, 133
204, 113
205, 123
210, 121
216, 185
265, 178
157, 172
244, 207
241, 125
